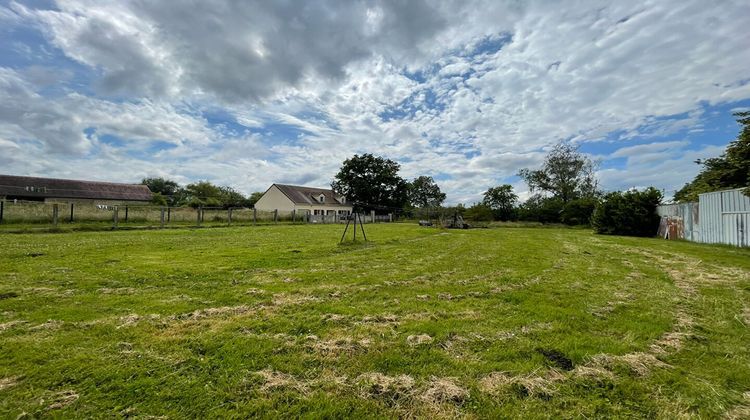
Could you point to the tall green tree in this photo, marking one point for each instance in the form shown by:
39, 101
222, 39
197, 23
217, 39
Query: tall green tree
371, 182
166, 191
566, 174
502, 200
204, 193
424, 192
730, 170
230, 197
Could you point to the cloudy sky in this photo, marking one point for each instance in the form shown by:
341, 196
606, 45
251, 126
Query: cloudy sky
247, 93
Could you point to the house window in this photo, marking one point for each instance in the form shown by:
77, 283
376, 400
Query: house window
322, 198
36, 189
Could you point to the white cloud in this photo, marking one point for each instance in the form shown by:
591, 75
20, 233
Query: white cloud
577, 72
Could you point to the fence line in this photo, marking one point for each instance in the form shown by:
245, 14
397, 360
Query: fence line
20, 213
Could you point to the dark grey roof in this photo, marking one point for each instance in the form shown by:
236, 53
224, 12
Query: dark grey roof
308, 195
26, 186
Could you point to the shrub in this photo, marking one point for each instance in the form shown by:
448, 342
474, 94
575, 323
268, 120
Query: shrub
541, 209
479, 212
631, 213
578, 212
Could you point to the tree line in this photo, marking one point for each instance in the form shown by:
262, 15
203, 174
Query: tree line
167, 192
564, 190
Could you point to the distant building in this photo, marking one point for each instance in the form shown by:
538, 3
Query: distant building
51, 190
317, 201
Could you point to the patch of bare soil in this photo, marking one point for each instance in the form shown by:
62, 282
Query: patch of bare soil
557, 358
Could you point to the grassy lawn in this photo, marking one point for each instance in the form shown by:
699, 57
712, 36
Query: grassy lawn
281, 321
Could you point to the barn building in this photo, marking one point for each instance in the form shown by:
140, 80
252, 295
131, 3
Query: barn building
288, 198
51, 190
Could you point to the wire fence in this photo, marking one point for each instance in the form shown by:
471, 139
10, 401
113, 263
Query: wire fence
29, 215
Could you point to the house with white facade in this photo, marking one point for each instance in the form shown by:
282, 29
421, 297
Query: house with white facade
318, 201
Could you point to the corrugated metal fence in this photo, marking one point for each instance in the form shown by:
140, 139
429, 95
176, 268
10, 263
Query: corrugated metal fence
721, 217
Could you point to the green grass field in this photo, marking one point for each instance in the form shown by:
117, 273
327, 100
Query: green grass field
281, 321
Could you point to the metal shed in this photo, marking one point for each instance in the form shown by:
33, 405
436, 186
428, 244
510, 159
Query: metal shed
720, 217
725, 217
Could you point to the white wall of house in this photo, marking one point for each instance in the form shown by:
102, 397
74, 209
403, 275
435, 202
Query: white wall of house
274, 199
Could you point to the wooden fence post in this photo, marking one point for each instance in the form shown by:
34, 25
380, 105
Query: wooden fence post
71, 213
55, 210
372, 216
294, 216
126, 213
161, 218
229, 216
255, 216
169, 214
199, 210
276, 216
2, 209
390, 217
115, 217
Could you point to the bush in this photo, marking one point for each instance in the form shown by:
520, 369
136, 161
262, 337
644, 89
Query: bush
578, 212
541, 209
479, 213
631, 213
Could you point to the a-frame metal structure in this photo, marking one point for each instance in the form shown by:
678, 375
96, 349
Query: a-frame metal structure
355, 217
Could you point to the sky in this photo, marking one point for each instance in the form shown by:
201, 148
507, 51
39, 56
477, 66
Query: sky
248, 93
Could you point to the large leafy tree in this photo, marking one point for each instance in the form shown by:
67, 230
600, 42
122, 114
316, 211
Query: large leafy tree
628, 213
371, 182
502, 200
566, 174
424, 192
204, 193
166, 191
730, 170
230, 197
